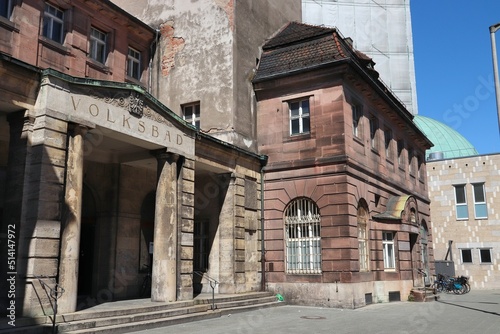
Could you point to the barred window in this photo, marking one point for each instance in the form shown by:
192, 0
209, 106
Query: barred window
303, 239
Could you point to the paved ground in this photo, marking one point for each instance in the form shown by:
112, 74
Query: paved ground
477, 312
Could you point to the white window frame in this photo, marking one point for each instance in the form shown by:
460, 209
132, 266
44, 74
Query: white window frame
302, 116
98, 49
364, 250
388, 137
357, 114
461, 208
373, 132
481, 256
302, 237
478, 203
462, 250
8, 9
400, 147
191, 113
389, 251
134, 67
51, 18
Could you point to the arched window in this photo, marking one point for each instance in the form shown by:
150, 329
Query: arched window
363, 236
302, 237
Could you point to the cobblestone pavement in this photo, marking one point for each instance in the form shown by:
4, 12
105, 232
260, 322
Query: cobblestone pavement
475, 312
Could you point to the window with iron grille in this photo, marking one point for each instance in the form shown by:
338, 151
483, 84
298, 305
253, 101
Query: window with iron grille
6, 8
134, 63
302, 237
98, 50
53, 24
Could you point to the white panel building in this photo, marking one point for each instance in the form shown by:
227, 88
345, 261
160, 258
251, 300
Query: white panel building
382, 30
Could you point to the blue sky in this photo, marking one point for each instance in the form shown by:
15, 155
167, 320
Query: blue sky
454, 66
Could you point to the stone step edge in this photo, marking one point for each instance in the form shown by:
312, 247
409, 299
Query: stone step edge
137, 326
82, 315
131, 318
142, 325
261, 300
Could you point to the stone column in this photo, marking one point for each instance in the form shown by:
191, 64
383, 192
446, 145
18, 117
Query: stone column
71, 222
227, 240
164, 274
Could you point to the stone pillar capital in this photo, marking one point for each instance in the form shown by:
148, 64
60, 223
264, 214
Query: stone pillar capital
162, 155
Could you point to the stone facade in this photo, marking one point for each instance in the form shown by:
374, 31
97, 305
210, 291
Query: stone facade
352, 176
100, 182
208, 51
475, 235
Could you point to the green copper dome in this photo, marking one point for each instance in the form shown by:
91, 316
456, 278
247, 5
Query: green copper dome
448, 143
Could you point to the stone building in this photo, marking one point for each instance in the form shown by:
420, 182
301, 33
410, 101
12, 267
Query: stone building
100, 182
346, 198
465, 211
207, 56
463, 186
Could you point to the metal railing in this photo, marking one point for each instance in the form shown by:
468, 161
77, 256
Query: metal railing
213, 283
54, 293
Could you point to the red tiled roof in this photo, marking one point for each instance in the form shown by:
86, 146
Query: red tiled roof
300, 46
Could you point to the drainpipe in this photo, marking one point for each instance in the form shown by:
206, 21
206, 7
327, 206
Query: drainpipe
263, 163
150, 65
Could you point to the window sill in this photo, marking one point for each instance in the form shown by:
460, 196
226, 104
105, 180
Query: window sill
54, 45
358, 140
301, 136
8, 24
98, 66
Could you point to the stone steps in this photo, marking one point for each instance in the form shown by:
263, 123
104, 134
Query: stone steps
424, 295
134, 315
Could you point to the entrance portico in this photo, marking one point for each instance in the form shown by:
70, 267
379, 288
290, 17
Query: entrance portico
99, 156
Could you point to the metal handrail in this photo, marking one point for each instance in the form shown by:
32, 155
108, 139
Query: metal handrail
54, 293
213, 283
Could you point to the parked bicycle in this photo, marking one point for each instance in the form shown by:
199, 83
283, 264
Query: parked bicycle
458, 285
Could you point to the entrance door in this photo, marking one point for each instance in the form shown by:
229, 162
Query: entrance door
417, 276
87, 244
424, 237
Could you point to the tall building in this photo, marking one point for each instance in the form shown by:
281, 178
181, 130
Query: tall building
466, 216
380, 29
207, 55
346, 202
102, 184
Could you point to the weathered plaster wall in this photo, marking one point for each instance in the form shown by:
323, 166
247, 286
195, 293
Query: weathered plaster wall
208, 52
